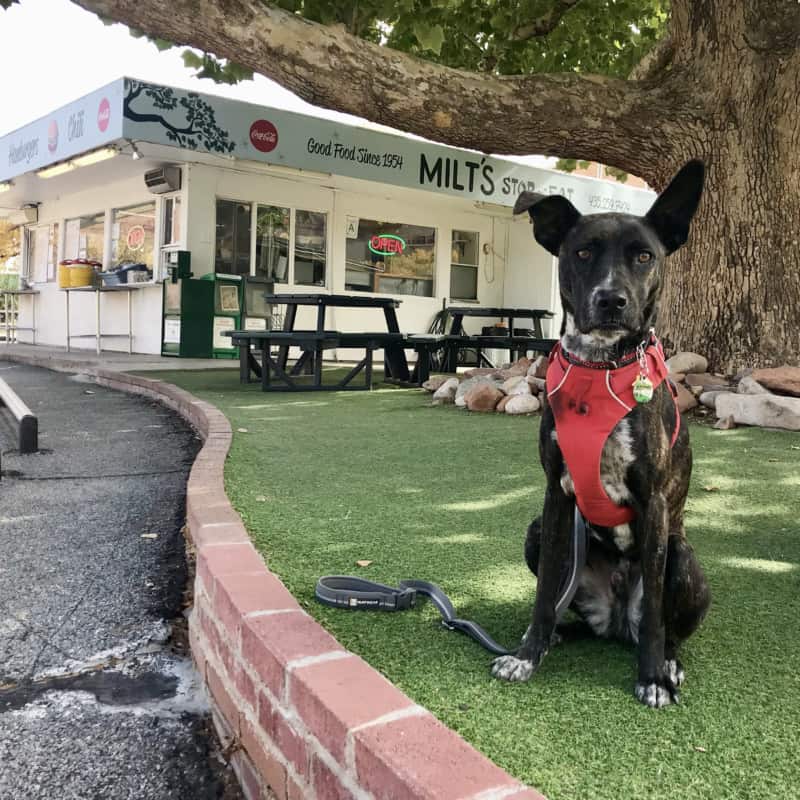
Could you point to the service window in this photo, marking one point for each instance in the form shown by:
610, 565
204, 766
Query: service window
273, 226
232, 242
464, 265
85, 237
310, 248
390, 258
42, 252
133, 235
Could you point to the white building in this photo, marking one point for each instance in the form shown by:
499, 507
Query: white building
260, 191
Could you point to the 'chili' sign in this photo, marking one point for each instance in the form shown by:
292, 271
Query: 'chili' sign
385, 244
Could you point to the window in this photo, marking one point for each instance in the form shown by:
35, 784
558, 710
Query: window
42, 253
309, 248
232, 245
85, 237
464, 265
390, 258
272, 243
133, 235
172, 220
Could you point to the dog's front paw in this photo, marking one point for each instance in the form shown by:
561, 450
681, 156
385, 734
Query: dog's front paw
673, 669
511, 668
656, 694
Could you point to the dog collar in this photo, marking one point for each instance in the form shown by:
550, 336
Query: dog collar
617, 363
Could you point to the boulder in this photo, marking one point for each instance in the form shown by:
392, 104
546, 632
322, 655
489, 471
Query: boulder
725, 424
484, 372
467, 384
687, 362
710, 383
435, 381
516, 385
539, 367
764, 410
522, 404
501, 406
749, 385
483, 397
709, 399
781, 380
519, 367
537, 384
686, 400
446, 393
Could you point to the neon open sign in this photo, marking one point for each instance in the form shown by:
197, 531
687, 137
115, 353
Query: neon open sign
385, 244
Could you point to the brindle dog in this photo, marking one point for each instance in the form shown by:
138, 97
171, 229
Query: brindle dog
641, 582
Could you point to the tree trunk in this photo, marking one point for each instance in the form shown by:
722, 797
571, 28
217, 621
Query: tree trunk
733, 292
723, 87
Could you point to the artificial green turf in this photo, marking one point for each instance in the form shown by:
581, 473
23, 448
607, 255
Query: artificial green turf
444, 495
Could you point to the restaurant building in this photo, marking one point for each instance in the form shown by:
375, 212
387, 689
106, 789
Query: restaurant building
140, 174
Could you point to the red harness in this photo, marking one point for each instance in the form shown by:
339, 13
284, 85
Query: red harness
588, 400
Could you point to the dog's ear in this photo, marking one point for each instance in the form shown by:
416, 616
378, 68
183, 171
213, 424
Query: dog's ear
674, 208
552, 215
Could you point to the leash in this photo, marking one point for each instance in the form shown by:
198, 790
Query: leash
358, 594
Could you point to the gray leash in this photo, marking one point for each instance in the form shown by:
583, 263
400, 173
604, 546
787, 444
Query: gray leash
346, 591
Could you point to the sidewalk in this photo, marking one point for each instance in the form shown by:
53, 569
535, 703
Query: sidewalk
98, 697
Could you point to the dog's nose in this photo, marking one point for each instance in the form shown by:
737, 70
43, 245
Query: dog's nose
610, 300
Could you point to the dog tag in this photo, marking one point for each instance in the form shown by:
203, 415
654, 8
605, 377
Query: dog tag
643, 389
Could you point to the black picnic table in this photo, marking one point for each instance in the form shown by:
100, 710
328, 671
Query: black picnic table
313, 343
459, 339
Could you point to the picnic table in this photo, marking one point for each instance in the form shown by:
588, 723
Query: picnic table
515, 343
313, 343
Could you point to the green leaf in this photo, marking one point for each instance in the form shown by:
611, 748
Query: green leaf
430, 37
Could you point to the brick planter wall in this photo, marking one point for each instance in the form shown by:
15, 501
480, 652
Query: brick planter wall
301, 716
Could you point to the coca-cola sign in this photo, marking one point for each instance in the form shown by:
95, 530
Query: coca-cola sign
103, 114
263, 135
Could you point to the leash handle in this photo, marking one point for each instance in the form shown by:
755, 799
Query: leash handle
358, 594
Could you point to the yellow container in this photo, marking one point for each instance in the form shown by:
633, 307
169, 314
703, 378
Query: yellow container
64, 269
81, 273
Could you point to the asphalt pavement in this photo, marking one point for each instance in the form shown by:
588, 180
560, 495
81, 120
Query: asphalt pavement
98, 697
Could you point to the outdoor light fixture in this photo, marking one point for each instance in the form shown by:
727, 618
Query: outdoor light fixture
94, 157
5, 186
56, 169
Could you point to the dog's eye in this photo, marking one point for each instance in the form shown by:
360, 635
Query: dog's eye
584, 254
644, 256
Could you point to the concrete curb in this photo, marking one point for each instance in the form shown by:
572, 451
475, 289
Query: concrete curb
302, 717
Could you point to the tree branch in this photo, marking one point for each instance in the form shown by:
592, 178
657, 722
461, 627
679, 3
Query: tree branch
546, 23
617, 122
655, 61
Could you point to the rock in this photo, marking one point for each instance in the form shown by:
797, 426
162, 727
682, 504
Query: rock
687, 362
483, 397
484, 372
501, 406
539, 367
709, 399
781, 380
522, 404
446, 393
467, 384
725, 424
677, 377
537, 384
764, 410
710, 383
749, 385
686, 400
519, 367
435, 381
742, 373
516, 385
696, 390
